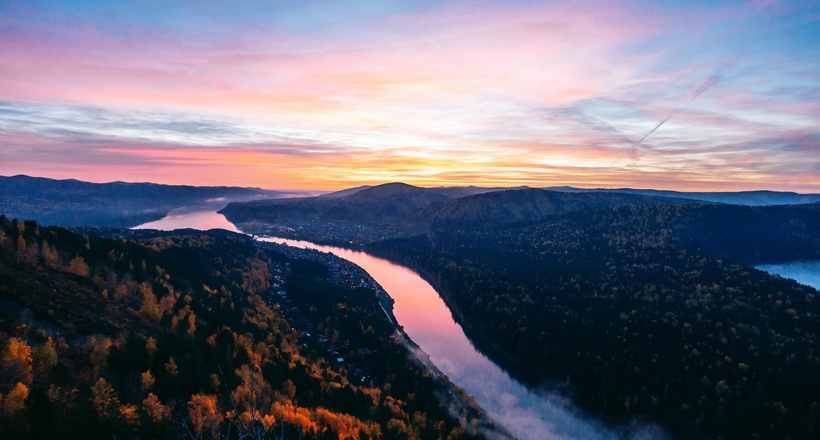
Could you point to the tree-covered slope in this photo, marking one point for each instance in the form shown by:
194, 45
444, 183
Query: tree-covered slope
399, 210
493, 210
117, 204
388, 204
186, 337
638, 310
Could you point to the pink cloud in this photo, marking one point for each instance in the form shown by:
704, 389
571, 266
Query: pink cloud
437, 97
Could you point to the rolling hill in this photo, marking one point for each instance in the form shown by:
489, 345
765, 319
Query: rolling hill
117, 204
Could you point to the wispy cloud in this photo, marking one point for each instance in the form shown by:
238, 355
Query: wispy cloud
589, 93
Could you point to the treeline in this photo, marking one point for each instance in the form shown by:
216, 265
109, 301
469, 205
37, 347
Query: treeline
637, 311
177, 337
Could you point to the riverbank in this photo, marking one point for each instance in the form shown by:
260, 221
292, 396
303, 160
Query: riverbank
474, 419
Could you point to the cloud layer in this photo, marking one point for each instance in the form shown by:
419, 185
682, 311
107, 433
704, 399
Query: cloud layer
682, 96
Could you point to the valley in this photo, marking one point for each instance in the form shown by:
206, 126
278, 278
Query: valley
645, 312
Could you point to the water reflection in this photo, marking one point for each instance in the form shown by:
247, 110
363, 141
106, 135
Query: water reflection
527, 414
189, 217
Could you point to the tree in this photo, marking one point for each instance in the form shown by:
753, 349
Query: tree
45, 358
16, 362
15, 401
100, 347
204, 414
78, 266
146, 380
104, 400
155, 410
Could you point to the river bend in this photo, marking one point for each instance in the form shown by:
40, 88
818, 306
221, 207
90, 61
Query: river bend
528, 414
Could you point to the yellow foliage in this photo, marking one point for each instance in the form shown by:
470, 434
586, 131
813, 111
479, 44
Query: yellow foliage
77, 266
150, 307
146, 380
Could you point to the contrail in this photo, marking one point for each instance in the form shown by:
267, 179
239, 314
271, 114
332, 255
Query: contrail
653, 130
709, 83
712, 80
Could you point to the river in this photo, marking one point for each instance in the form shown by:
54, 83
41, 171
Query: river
529, 414
190, 217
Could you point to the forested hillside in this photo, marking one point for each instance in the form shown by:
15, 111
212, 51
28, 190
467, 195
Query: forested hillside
399, 210
524, 206
183, 337
391, 204
748, 198
117, 204
638, 310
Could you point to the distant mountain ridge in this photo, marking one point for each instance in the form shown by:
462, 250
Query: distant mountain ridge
748, 198
399, 209
496, 209
393, 203
117, 204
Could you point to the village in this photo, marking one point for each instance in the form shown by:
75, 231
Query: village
345, 354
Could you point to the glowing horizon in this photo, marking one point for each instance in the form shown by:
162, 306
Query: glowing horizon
324, 96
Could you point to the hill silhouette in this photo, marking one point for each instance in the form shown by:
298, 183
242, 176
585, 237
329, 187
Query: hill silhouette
116, 204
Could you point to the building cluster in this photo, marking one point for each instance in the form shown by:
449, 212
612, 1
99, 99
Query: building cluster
341, 273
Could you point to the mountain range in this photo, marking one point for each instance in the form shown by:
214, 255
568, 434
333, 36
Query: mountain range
116, 204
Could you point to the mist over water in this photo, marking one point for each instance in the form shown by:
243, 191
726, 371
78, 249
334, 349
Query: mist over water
528, 414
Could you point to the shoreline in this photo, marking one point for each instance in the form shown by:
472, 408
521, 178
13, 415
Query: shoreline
456, 397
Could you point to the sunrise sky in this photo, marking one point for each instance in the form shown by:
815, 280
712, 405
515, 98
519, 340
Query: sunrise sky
317, 94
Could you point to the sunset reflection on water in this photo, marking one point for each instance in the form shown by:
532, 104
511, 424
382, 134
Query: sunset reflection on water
426, 319
201, 220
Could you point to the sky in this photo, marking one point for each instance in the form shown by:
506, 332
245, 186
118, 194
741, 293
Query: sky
321, 95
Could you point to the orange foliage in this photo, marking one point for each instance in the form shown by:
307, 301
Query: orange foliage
16, 357
395, 406
104, 399
344, 425
17, 349
320, 420
203, 412
294, 415
15, 401
130, 414
155, 409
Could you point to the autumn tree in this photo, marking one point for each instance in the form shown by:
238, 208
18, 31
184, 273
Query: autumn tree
16, 363
78, 266
104, 400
